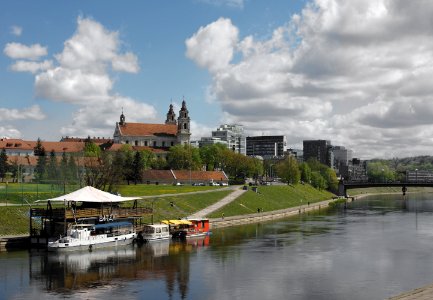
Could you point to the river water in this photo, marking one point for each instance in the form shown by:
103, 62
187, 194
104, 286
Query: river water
376, 248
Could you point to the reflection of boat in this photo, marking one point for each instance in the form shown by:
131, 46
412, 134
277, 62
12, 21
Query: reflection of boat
189, 228
90, 236
154, 232
81, 261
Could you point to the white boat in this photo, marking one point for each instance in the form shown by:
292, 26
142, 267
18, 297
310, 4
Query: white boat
154, 232
91, 236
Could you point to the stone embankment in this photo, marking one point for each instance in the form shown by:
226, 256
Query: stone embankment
267, 216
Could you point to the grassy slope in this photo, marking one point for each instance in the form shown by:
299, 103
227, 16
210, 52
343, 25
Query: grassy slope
272, 198
14, 220
384, 190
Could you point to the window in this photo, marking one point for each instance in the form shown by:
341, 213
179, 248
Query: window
163, 144
145, 143
172, 143
136, 143
154, 143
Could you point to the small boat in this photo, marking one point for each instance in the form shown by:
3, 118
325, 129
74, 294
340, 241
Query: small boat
91, 236
188, 228
154, 232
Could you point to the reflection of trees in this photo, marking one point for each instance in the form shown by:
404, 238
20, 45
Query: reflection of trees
68, 273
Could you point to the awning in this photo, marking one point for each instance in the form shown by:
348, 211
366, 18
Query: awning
176, 222
90, 194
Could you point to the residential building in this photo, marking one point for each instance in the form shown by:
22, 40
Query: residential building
320, 150
342, 157
233, 135
266, 146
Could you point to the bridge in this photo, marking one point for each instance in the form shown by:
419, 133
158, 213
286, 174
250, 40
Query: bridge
343, 186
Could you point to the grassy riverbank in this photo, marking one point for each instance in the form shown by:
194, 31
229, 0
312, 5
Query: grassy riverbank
16, 193
269, 198
388, 190
14, 219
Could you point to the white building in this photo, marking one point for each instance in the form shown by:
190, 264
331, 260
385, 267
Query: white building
233, 135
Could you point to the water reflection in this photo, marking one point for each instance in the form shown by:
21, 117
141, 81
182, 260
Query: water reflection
373, 249
78, 271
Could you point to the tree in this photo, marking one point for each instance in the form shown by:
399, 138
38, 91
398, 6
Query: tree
378, 171
41, 164
137, 167
52, 173
184, 157
305, 172
39, 149
72, 168
3, 163
325, 172
91, 149
288, 170
317, 180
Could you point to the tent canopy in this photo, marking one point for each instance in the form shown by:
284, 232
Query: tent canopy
90, 194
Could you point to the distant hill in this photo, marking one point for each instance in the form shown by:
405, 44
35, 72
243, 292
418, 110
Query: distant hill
408, 163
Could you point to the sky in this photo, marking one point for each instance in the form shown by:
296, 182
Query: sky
355, 72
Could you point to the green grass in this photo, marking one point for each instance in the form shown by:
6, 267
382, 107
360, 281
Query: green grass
183, 205
271, 198
149, 190
17, 193
14, 220
384, 190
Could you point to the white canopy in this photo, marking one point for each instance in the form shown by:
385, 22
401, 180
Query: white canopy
90, 194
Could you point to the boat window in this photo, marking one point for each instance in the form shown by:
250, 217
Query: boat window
158, 230
164, 229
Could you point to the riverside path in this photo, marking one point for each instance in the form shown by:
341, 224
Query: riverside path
224, 201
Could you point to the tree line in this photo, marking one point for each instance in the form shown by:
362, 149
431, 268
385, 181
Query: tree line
107, 169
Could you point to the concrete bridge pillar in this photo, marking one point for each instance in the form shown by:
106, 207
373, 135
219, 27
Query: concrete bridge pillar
342, 189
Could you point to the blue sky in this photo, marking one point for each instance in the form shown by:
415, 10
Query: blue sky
356, 73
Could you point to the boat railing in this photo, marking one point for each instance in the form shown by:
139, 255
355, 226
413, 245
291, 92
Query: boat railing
70, 213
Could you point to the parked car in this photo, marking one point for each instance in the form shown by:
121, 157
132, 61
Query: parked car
224, 184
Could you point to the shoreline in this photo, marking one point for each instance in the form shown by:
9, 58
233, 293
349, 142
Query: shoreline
268, 216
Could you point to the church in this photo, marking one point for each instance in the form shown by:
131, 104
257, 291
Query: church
173, 132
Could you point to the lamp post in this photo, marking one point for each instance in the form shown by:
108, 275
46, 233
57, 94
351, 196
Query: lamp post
416, 175
383, 175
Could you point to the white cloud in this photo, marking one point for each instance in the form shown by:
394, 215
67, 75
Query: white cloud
212, 46
82, 75
31, 66
73, 85
98, 120
20, 51
16, 30
33, 112
9, 132
352, 72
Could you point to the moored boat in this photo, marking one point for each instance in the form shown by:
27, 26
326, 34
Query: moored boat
188, 228
91, 236
154, 232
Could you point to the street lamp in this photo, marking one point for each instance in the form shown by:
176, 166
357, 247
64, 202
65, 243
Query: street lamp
383, 175
416, 175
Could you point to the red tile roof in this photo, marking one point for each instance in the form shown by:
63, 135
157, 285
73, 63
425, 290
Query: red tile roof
59, 147
142, 129
200, 175
184, 175
117, 147
15, 144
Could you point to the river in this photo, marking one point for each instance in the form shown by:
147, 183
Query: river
376, 248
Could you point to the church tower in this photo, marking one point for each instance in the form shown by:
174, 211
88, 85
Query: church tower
171, 116
122, 119
183, 126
